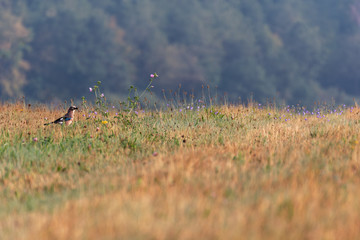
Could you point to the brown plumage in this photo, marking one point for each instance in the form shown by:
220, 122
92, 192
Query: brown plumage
68, 118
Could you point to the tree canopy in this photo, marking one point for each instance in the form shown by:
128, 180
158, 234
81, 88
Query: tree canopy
286, 49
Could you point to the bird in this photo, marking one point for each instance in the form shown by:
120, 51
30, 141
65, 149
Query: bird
67, 118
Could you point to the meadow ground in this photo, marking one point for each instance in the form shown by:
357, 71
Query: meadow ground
227, 172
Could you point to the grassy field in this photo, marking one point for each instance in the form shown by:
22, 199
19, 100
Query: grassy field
227, 172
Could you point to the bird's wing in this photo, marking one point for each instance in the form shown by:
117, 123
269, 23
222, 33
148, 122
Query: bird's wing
59, 120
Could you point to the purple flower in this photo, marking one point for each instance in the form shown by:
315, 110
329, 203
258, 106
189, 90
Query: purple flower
152, 75
95, 113
90, 89
136, 113
35, 139
102, 95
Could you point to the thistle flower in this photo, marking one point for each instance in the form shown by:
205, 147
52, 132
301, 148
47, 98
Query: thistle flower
152, 75
90, 89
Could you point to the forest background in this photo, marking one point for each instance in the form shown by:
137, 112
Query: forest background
294, 51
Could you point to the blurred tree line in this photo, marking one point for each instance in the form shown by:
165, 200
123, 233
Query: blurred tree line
286, 49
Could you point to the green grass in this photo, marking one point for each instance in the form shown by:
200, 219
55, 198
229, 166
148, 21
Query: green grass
217, 173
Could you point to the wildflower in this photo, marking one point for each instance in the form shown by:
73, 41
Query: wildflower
83, 115
155, 154
180, 110
35, 139
90, 89
152, 75
136, 113
104, 122
97, 129
95, 113
102, 95
116, 113
113, 106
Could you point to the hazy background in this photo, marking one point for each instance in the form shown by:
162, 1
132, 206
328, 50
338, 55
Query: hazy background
292, 50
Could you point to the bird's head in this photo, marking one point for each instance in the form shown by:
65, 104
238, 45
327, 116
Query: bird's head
72, 108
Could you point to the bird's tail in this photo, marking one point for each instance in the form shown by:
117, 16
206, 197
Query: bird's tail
48, 123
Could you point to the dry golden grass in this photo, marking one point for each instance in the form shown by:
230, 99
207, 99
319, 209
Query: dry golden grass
171, 175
